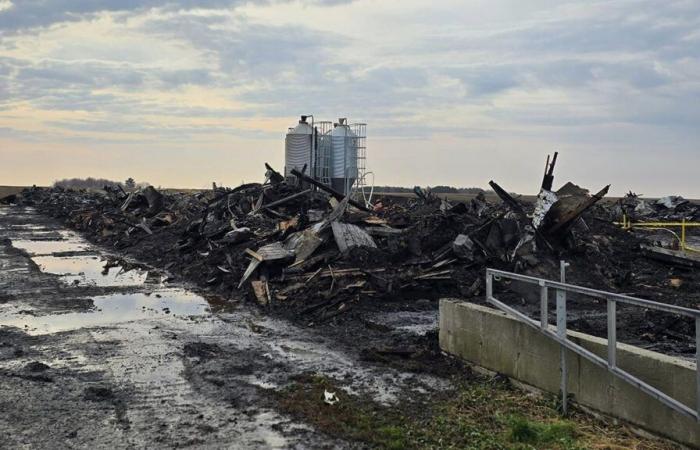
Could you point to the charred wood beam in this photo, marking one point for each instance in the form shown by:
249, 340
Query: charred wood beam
568, 218
275, 214
286, 199
508, 199
329, 190
274, 176
548, 178
518, 209
674, 257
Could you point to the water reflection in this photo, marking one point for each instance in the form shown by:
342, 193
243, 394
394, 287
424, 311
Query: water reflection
89, 270
114, 309
46, 247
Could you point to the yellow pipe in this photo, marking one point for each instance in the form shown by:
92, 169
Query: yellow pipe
659, 224
627, 224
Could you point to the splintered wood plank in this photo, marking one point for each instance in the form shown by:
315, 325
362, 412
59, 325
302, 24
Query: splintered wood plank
349, 236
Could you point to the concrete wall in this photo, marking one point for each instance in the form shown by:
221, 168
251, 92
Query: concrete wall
491, 339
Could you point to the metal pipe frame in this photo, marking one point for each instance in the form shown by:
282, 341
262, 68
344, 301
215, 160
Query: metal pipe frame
627, 224
621, 298
609, 363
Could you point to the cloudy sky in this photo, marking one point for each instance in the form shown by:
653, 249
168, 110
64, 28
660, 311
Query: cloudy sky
182, 92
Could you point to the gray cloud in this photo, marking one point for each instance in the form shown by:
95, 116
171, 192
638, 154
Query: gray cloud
625, 74
246, 50
72, 85
40, 13
26, 14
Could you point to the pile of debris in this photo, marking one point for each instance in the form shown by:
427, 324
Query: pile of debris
296, 244
671, 208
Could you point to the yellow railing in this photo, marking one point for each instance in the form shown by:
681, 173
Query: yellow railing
627, 224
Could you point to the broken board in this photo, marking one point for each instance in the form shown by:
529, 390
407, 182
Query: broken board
349, 236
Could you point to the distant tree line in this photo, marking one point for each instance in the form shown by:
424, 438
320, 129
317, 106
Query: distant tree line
436, 189
96, 183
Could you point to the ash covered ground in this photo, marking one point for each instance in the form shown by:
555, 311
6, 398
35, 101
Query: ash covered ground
165, 318
317, 260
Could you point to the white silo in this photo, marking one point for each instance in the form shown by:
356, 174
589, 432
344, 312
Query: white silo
343, 157
298, 147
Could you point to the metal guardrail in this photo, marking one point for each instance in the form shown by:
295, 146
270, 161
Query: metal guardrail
561, 337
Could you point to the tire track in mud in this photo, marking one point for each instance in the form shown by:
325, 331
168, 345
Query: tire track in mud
127, 376
156, 370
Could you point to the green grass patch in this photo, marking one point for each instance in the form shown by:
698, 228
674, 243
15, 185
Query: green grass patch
478, 414
539, 434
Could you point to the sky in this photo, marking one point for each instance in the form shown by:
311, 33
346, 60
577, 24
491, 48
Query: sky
181, 93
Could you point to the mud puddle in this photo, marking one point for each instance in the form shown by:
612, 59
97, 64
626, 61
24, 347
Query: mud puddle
66, 254
89, 270
49, 244
113, 309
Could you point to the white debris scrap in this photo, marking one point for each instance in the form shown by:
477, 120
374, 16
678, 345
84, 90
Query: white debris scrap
330, 397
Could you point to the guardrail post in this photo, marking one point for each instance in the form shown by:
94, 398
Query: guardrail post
489, 285
544, 318
561, 332
612, 333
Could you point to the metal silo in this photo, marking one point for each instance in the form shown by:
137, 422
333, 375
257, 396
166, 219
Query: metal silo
343, 157
298, 147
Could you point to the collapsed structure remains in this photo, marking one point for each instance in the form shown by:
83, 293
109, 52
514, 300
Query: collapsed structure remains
299, 247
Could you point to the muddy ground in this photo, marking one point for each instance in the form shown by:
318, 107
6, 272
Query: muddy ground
128, 357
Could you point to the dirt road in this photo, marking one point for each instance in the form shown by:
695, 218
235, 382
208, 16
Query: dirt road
113, 358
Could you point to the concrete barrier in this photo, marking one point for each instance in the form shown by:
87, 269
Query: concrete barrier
491, 339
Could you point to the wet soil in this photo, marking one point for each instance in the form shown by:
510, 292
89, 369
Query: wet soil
101, 350
94, 354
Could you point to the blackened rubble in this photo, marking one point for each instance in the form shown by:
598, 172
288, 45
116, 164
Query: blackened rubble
309, 253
